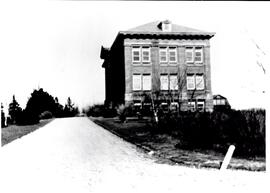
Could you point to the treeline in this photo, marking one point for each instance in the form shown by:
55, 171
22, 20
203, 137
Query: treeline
40, 105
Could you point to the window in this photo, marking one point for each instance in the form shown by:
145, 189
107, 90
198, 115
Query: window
200, 105
199, 82
146, 82
164, 82
194, 54
189, 54
145, 54
190, 81
163, 54
192, 105
195, 82
173, 82
198, 55
136, 82
136, 54
172, 55
141, 54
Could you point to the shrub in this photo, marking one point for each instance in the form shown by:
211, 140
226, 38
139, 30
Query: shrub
46, 115
217, 130
122, 113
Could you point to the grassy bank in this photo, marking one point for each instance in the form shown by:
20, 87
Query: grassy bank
13, 132
164, 146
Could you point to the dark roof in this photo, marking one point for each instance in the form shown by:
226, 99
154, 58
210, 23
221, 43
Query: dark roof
218, 96
154, 28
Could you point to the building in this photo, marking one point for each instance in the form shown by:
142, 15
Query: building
220, 102
159, 61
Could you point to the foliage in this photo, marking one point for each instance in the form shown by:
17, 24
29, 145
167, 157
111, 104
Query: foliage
46, 115
14, 110
3, 118
217, 130
99, 110
70, 110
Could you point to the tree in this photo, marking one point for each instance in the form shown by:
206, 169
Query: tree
70, 110
14, 110
3, 118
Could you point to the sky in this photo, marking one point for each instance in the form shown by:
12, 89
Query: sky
55, 45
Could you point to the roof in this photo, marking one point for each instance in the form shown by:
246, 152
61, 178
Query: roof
218, 96
154, 28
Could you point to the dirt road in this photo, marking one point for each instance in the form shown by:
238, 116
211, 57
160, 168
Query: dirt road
76, 155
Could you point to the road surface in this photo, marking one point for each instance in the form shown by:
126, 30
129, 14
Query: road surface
76, 155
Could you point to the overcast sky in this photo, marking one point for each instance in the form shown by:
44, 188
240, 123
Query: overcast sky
56, 45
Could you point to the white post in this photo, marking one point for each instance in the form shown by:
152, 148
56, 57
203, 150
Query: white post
227, 158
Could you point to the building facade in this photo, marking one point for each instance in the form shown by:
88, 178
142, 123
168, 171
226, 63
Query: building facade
159, 61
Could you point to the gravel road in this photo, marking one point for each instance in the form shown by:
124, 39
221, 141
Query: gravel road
76, 155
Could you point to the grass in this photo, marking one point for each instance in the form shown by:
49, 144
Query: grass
164, 146
13, 132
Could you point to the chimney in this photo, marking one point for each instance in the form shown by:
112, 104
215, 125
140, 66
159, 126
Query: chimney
166, 26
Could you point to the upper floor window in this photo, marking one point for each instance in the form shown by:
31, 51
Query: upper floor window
163, 54
198, 55
172, 54
167, 54
189, 55
195, 82
141, 54
194, 55
145, 54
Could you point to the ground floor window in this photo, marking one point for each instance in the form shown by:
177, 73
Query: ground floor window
198, 105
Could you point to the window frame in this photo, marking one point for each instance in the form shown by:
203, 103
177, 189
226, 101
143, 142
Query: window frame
136, 49
138, 75
201, 82
167, 83
191, 50
189, 76
193, 104
198, 49
170, 50
146, 49
142, 83
200, 102
163, 49
170, 82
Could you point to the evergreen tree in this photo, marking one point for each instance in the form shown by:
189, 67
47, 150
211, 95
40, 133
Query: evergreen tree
14, 110
3, 118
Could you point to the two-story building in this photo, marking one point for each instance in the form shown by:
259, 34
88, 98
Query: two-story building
168, 62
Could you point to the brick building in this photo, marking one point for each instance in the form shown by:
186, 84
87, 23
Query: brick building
159, 61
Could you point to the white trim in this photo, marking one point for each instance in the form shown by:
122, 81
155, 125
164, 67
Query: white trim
199, 82
146, 50
164, 50
172, 50
136, 49
146, 82
173, 81
198, 50
189, 50
164, 82
191, 85
136, 82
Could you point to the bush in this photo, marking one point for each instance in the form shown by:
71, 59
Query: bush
100, 110
27, 118
46, 115
217, 130
122, 113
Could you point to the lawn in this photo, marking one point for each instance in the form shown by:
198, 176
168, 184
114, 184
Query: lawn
13, 132
164, 146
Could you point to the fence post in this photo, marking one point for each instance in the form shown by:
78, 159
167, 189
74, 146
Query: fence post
227, 158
